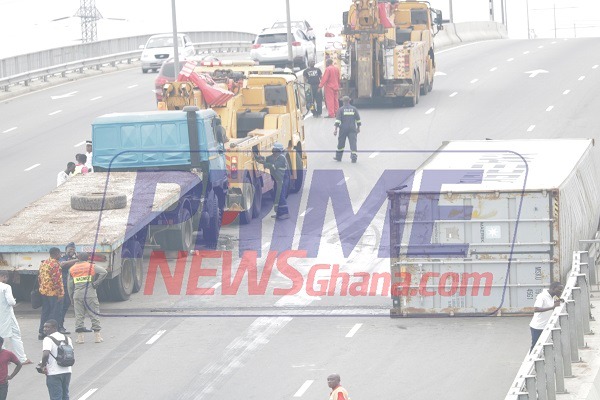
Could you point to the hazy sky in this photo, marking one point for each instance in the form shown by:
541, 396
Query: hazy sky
28, 22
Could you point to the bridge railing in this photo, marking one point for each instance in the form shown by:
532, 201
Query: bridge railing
543, 372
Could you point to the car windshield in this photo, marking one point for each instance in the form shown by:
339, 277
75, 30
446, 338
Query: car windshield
295, 24
272, 38
154, 43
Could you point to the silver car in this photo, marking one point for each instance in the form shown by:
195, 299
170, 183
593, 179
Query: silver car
160, 47
304, 26
270, 47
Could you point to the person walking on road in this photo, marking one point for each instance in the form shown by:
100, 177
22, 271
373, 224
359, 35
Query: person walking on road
337, 391
331, 84
66, 262
545, 302
348, 122
51, 289
7, 357
57, 378
84, 278
280, 172
64, 175
312, 76
9, 327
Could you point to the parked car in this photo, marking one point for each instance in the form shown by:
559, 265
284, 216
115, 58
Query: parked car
333, 37
167, 74
160, 47
270, 47
304, 26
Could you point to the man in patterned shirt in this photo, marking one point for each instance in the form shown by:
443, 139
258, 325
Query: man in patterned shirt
51, 289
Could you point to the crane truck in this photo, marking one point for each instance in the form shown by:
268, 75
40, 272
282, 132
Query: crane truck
157, 184
389, 52
264, 107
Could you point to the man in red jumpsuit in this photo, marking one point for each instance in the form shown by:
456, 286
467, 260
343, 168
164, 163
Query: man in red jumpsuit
331, 82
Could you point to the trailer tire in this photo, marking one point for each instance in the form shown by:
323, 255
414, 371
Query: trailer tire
92, 201
138, 270
121, 286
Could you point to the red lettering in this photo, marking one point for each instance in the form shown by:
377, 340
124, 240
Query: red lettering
385, 290
290, 272
335, 274
310, 281
360, 288
247, 265
477, 277
196, 272
443, 284
404, 283
423, 286
173, 283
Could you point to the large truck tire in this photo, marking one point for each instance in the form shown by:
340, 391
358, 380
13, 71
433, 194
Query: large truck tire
258, 195
249, 194
93, 201
296, 185
121, 286
211, 232
413, 101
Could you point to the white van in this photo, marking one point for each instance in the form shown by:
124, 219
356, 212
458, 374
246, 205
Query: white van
160, 47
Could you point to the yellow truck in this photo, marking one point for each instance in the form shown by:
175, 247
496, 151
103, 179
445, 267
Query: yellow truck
265, 106
389, 50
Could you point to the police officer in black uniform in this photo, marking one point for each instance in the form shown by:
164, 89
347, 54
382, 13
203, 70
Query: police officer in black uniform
348, 122
312, 76
280, 172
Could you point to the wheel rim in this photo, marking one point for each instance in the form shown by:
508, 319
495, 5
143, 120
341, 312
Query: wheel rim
127, 275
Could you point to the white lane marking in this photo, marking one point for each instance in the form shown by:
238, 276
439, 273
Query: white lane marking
217, 285
55, 112
510, 59
156, 337
474, 80
32, 167
343, 181
493, 69
536, 72
540, 47
566, 91
582, 77
373, 155
526, 52
439, 73
549, 108
306, 212
62, 96
429, 111
131, 87
303, 388
403, 131
553, 43
531, 128
457, 47
354, 329
10, 129
595, 66
453, 94
88, 394
95, 98
79, 144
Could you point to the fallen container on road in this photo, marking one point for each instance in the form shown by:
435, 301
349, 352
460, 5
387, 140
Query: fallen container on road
502, 225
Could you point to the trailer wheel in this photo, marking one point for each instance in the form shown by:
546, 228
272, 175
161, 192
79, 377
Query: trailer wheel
249, 194
211, 232
92, 201
138, 270
121, 286
296, 186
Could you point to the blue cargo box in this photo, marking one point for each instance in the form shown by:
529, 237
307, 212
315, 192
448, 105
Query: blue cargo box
154, 139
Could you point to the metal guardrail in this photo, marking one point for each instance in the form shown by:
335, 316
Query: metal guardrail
112, 59
542, 374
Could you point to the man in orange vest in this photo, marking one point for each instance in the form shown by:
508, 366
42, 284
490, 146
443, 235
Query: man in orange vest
84, 278
337, 391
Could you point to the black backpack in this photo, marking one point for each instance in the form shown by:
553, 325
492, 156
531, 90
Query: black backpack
65, 354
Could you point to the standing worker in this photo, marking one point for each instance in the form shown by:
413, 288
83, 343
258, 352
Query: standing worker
84, 278
9, 327
331, 83
545, 303
7, 357
66, 262
348, 122
337, 391
312, 76
51, 289
280, 172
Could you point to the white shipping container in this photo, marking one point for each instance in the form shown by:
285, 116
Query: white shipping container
514, 211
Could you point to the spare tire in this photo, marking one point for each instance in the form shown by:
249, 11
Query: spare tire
92, 201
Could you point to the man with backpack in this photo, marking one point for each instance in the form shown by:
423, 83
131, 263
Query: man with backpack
57, 359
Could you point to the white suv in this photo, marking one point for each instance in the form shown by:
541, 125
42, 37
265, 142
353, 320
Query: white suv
270, 47
160, 47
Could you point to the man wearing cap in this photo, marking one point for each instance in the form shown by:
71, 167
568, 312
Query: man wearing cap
348, 122
280, 172
88, 154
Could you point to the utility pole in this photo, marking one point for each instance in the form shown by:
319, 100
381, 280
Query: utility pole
289, 33
89, 14
175, 41
528, 30
491, 10
451, 12
554, 8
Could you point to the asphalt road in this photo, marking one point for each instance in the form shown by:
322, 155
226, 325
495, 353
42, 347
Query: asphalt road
272, 347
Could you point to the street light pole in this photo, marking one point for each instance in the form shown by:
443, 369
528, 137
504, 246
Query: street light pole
554, 7
175, 41
289, 34
528, 30
451, 12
